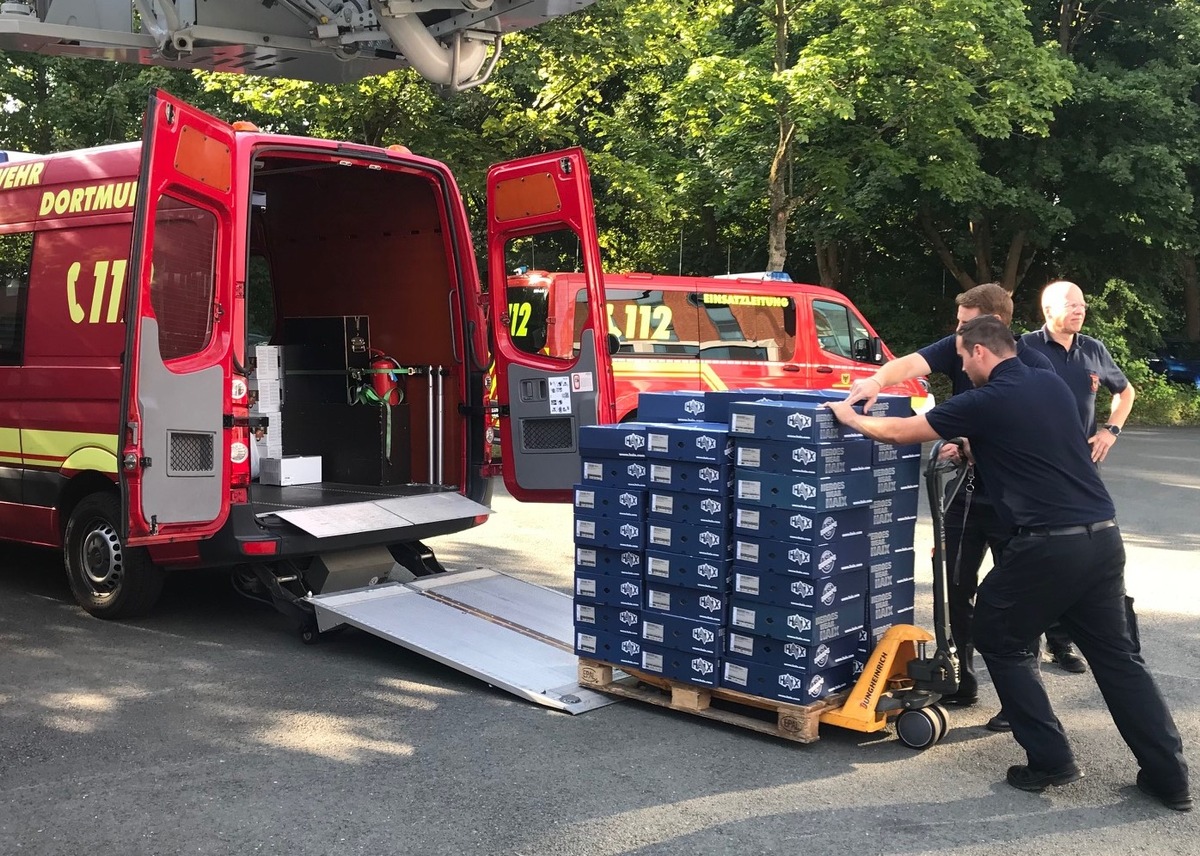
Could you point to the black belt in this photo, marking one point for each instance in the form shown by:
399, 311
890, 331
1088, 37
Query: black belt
1085, 529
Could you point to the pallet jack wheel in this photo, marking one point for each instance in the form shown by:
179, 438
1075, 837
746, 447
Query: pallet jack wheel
943, 717
919, 728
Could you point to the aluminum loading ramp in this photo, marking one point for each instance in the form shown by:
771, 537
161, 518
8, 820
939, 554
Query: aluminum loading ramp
512, 634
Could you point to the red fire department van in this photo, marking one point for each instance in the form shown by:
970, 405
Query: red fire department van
683, 333
170, 307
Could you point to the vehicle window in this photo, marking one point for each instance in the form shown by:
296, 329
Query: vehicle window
534, 325
184, 266
16, 258
528, 317
837, 328
645, 322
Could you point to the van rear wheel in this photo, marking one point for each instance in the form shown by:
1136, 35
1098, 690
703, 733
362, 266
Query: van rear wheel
108, 579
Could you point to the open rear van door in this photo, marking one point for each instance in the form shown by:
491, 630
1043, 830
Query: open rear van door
175, 468
549, 386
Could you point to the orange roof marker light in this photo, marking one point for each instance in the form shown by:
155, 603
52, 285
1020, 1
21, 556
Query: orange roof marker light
399, 150
242, 126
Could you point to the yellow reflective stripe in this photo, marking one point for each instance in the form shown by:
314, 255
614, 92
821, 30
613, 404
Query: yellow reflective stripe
93, 459
53, 448
702, 372
10, 445
8, 459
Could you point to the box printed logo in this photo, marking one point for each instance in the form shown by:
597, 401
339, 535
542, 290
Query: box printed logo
828, 562
709, 474
709, 603
709, 572
702, 666
859, 666
829, 527
634, 441
628, 530
815, 686
630, 647
803, 455
821, 656
801, 521
804, 490
628, 617
629, 500
703, 635
693, 407
709, 539
636, 471
710, 506
799, 623
630, 558
799, 557
630, 589
796, 652
802, 589
801, 421
705, 443
790, 682
829, 594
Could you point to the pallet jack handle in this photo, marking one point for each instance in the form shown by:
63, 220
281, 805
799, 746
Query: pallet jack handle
944, 478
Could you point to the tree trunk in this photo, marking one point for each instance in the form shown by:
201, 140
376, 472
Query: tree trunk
777, 189
1191, 300
829, 265
930, 229
981, 237
1013, 270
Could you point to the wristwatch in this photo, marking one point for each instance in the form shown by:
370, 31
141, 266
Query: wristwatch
1115, 430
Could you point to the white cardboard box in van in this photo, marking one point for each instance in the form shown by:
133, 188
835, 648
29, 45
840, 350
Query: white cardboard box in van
293, 469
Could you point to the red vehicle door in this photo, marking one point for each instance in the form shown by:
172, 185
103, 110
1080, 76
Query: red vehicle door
540, 215
175, 455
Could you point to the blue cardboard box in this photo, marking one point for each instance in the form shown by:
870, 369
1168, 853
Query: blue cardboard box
612, 532
613, 620
807, 527
804, 421
624, 440
899, 507
719, 401
795, 623
689, 476
609, 648
677, 405
610, 501
698, 442
904, 474
682, 602
609, 591
687, 666
889, 453
607, 561
614, 472
695, 509
698, 572
887, 605
712, 541
885, 572
885, 540
782, 684
748, 648
820, 459
803, 492
791, 557
890, 404
682, 634
784, 590
872, 631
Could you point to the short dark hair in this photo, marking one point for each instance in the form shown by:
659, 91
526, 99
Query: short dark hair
989, 331
990, 298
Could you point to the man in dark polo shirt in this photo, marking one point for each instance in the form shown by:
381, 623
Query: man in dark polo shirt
1065, 561
1083, 362
972, 526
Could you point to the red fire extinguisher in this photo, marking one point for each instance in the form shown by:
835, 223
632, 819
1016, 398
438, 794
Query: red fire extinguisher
384, 378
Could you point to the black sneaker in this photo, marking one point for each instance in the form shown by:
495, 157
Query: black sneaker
999, 722
960, 699
1180, 801
1068, 660
1030, 779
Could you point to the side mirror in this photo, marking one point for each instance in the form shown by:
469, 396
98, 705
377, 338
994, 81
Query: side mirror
614, 343
867, 350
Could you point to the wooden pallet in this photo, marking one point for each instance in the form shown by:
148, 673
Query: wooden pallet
792, 721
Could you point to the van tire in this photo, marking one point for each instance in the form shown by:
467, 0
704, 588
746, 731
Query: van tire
108, 579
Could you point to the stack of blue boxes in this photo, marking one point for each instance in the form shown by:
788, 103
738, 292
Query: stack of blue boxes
743, 539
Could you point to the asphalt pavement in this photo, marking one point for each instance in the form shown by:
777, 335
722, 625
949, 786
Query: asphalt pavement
208, 728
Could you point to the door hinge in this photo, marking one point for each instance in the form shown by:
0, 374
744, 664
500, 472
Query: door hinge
153, 524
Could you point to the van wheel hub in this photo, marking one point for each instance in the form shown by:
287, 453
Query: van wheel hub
102, 558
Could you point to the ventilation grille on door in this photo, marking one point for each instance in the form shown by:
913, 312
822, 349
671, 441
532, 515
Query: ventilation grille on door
190, 454
547, 435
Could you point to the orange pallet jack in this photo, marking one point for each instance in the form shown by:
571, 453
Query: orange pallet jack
901, 680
